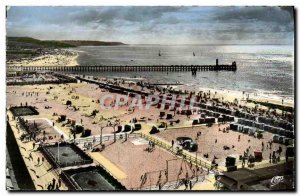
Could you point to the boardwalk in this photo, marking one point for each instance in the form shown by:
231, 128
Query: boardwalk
126, 68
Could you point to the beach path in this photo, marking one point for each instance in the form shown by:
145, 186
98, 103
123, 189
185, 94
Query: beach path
112, 168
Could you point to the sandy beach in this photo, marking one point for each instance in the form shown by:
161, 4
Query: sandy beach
58, 58
130, 156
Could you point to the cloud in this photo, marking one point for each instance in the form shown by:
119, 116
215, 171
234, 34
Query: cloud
158, 24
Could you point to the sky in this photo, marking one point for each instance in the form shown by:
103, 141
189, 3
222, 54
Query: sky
155, 25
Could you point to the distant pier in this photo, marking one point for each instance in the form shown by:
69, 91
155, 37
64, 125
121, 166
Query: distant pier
127, 68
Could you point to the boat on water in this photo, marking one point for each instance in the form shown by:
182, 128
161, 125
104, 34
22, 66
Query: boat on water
194, 54
159, 54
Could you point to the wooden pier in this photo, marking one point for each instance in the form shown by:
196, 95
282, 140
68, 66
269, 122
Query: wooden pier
127, 68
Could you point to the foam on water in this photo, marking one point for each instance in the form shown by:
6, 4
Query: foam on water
261, 68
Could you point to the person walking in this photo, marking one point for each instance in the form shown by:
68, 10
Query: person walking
53, 182
59, 182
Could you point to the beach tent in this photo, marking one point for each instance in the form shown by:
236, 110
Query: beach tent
240, 128
259, 134
203, 115
221, 119
258, 156
216, 114
201, 120
240, 121
274, 130
195, 122
249, 123
161, 114
281, 131
210, 120
230, 161
169, 116
290, 134
267, 127
275, 138
137, 126
246, 129
281, 139
154, 130
78, 128
288, 141
233, 126
229, 118
259, 125
251, 131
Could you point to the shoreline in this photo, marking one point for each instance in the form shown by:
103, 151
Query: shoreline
229, 95
57, 58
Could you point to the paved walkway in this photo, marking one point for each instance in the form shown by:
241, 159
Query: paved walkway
112, 168
41, 174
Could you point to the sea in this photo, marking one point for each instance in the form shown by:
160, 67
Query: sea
267, 69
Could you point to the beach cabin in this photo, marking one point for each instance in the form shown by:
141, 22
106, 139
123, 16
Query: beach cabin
234, 126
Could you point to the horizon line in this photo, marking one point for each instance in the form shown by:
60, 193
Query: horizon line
203, 44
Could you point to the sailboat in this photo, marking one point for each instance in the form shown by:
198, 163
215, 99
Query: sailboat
194, 54
159, 53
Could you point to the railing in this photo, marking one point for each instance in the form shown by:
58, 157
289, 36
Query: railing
188, 157
170, 185
105, 138
152, 68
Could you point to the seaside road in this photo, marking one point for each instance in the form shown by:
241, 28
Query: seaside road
41, 174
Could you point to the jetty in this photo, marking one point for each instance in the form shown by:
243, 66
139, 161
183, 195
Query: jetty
126, 68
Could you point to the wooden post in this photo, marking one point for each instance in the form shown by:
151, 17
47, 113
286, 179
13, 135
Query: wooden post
101, 135
115, 135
